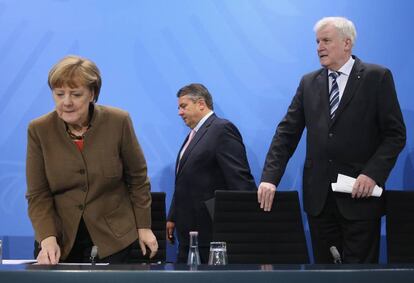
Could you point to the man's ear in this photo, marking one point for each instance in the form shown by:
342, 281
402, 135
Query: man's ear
348, 44
202, 104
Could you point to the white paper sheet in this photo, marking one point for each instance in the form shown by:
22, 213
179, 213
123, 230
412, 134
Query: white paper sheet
18, 261
345, 184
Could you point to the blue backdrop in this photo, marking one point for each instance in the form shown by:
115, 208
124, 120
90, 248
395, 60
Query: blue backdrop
251, 55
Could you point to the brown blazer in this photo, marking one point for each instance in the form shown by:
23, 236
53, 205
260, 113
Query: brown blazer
106, 183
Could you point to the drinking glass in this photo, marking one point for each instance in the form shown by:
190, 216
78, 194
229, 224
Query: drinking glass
218, 253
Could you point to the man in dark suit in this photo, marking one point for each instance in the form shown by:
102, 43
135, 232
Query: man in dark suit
354, 127
212, 157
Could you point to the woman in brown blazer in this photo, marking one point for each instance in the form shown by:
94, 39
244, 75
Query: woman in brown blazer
87, 182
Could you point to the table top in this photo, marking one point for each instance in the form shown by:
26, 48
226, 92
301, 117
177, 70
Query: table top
29, 265
181, 273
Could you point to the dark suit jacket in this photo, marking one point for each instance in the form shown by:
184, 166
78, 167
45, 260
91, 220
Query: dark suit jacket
215, 159
365, 137
106, 183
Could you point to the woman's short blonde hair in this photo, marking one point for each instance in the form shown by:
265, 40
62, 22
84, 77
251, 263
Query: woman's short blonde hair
74, 71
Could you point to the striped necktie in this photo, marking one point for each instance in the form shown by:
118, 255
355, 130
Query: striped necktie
334, 94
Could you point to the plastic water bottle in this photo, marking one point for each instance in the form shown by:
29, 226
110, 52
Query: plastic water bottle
193, 253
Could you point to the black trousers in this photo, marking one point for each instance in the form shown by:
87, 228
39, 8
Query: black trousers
356, 240
82, 247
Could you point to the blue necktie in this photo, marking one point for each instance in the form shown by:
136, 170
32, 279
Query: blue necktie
333, 94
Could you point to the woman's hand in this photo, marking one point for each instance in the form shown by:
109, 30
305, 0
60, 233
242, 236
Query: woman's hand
50, 251
147, 238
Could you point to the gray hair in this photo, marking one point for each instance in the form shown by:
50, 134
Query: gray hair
196, 92
345, 27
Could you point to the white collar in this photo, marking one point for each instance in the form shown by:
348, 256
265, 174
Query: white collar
346, 68
201, 122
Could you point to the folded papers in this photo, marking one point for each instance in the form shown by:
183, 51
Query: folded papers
345, 184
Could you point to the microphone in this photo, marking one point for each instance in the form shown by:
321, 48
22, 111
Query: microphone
335, 254
94, 253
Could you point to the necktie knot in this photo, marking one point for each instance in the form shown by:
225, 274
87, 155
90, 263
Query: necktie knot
334, 75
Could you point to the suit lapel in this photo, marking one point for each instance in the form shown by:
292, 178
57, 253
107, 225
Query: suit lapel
350, 89
322, 91
200, 133
177, 160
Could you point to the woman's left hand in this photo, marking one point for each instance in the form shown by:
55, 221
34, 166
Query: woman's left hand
147, 238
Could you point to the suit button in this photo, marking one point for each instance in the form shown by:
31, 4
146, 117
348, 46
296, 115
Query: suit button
80, 207
331, 135
82, 171
330, 160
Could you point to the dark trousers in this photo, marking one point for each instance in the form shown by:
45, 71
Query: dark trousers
81, 250
356, 240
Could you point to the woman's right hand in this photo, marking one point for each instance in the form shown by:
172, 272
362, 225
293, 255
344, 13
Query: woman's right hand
50, 251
